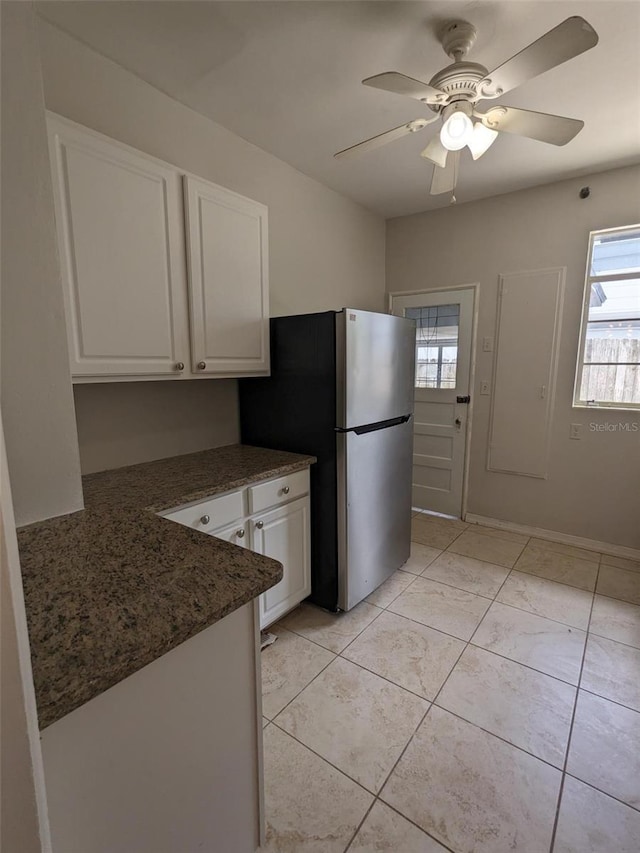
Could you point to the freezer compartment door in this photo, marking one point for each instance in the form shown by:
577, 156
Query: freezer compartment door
376, 365
374, 521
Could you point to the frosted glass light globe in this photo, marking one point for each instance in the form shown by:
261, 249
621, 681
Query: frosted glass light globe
456, 131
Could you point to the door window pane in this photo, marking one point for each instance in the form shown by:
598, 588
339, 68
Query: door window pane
436, 345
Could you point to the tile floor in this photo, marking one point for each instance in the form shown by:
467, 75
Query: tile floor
486, 698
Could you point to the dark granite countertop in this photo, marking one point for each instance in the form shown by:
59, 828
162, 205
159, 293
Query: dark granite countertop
113, 587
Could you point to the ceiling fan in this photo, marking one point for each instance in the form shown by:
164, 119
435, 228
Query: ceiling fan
454, 92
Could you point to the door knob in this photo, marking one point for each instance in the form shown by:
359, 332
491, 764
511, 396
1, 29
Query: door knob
458, 423
240, 533
259, 524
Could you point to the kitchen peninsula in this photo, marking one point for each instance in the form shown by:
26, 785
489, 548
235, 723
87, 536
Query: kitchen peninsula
145, 651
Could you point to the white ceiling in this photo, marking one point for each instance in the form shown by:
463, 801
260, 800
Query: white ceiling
286, 76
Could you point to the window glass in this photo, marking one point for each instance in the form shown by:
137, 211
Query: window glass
609, 365
436, 345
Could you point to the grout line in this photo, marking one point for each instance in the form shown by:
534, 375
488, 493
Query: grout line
609, 699
417, 825
573, 718
604, 793
322, 758
461, 588
359, 826
525, 665
553, 580
549, 618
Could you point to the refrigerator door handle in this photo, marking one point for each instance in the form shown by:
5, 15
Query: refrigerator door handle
391, 422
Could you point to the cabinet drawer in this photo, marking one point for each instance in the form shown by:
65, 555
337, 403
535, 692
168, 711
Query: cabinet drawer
278, 491
211, 514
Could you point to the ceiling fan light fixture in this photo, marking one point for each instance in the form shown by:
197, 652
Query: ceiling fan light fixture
456, 132
481, 140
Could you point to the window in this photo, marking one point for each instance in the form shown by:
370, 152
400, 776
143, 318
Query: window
609, 356
436, 345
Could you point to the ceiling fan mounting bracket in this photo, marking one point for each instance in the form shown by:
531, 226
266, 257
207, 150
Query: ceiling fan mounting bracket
457, 38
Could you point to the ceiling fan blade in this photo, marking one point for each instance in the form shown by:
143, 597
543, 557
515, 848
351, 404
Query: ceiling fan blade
570, 38
400, 84
436, 152
445, 179
556, 130
384, 138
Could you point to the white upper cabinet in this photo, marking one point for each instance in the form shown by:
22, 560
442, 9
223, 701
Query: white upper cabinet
227, 252
120, 236
135, 308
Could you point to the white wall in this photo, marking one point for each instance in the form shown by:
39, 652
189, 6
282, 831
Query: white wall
593, 486
325, 250
35, 388
122, 423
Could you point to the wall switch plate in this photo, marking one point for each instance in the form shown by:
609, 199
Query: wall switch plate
487, 344
575, 431
484, 387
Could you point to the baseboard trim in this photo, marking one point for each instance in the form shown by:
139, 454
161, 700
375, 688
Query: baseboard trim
555, 536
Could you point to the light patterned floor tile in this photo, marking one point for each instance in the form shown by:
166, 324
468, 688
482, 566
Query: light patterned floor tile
431, 533
310, 806
491, 549
472, 791
356, 720
386, 830
525, 707
543, 644
621, 563
547, 598
591, 822
288, 665
506, 535
467, 573
390, 589
442, 607
421, 556
612, 670
334, 631
569, 550
605, 748
409, 654
563, 568
616, 620
619, 583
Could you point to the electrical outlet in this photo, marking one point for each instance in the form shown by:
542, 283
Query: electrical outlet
575, 431
487, 344
484, 387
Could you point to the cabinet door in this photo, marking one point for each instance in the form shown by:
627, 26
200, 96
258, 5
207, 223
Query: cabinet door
283, 534
121, 241
238, 533
227, 255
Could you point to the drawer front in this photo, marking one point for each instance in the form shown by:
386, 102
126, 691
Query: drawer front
211, 514
276, 492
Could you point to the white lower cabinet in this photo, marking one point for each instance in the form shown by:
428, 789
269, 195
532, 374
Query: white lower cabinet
280, 530
283, 535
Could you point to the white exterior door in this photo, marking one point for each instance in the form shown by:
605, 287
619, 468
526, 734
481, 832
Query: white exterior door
227, 251
121, 242
283, 535
444, 327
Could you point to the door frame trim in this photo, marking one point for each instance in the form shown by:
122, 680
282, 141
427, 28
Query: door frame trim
474, 287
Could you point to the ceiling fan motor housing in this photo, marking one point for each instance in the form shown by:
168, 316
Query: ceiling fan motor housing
458, 81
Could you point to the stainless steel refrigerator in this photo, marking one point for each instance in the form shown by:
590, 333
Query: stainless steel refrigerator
341, 388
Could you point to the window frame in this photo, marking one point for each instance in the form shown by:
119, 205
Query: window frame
586, 298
